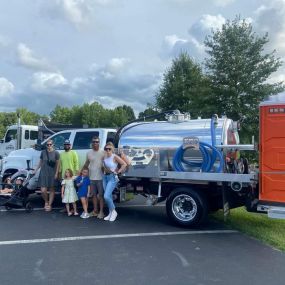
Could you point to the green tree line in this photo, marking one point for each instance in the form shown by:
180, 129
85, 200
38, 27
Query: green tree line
94, 115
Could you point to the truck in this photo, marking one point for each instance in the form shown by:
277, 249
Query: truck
194, 166
28, 134
80, 140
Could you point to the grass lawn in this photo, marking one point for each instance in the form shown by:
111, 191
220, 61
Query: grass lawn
270, 231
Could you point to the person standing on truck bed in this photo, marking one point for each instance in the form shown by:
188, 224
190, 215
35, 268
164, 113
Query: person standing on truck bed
68, 160
48, 165
93, 162
113, 165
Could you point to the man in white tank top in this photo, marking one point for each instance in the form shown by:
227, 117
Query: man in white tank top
93, 162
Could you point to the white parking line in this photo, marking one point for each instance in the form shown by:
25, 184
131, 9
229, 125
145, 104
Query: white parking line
61, 239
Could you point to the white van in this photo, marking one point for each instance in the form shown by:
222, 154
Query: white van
80, 140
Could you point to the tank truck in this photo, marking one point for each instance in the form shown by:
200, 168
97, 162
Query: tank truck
194, 165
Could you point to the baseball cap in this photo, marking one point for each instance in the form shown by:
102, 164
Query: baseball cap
67, 142
20, 178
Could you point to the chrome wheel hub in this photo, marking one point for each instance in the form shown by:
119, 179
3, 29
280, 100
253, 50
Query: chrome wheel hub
184, 207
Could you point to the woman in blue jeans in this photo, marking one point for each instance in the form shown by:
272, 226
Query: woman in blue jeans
111, 162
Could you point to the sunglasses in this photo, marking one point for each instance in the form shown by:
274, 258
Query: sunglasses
107, 148
49, 144
95, 141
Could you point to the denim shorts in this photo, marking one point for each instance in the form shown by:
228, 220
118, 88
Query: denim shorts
97, 187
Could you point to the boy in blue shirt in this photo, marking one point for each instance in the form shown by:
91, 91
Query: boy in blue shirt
83, 184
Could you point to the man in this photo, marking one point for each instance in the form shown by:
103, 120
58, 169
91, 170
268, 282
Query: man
93, 162
68, 160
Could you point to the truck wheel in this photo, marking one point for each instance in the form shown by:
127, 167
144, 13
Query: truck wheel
29, 207
186, 207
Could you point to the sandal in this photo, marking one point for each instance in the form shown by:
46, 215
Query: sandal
48, 208
69, 214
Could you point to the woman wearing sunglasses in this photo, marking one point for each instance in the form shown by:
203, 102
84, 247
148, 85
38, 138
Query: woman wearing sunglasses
48, 165
113, 165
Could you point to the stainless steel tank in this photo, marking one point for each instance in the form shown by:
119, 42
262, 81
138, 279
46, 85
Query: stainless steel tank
147, 142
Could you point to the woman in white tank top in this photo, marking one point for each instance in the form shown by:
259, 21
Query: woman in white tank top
110, 178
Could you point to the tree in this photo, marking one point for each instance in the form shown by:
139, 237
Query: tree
61, 115
238, 69
149, 111
184, 87
128, 111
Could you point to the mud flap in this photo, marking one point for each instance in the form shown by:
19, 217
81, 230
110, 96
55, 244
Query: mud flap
226, 204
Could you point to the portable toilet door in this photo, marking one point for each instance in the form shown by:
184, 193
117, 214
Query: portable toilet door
272, 153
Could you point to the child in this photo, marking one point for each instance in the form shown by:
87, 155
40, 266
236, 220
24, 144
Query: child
83, 184
68, 192
7, 187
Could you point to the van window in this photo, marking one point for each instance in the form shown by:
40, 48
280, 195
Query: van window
59, 139
33, 135
27, 135
83, 140
10, 135
111, 137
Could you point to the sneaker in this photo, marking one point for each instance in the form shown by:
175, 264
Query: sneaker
114, 215
93, 214
100, 216
84, 216
107, 218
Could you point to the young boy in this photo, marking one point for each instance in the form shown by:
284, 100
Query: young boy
83, 184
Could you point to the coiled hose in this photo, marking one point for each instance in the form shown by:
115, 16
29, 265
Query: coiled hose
209, 155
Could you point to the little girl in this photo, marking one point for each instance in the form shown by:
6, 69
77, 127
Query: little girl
83, 184
68, 192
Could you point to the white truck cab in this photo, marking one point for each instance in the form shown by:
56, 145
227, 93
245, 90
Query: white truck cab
28, 137
80, 140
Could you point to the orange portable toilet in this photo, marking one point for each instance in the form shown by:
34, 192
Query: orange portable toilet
272, 152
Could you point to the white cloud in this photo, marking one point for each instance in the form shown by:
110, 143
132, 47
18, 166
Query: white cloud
173, 45
6, 87
223, 3
45, 81
27, 59
270, 19
208, 22
77, 12
117, 65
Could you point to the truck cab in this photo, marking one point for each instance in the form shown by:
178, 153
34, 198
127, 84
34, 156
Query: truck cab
80, 140
28, 136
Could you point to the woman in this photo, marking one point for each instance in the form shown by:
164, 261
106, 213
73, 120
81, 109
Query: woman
111, 164
48, 164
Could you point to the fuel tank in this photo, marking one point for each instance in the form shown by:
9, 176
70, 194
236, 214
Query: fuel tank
155, 143
170, 134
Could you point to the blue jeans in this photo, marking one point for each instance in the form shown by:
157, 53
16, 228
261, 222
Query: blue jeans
109, 184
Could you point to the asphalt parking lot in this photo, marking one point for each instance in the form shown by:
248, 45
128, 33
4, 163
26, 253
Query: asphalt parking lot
141, 247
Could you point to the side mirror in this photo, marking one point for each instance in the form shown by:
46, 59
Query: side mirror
2, 141
38, 145
8, 139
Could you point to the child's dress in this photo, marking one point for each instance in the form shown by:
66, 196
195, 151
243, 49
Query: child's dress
69, 195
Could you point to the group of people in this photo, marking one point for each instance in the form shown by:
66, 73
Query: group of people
97, 179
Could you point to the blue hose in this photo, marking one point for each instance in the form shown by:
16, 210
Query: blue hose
209, 155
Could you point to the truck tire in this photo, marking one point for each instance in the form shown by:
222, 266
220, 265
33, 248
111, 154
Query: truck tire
186, 207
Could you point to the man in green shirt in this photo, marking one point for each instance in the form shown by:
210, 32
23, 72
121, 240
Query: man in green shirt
68, 160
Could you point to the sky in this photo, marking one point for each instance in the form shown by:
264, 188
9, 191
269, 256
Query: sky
70, 52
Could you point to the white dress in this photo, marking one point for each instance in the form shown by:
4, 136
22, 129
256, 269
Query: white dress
69, 195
